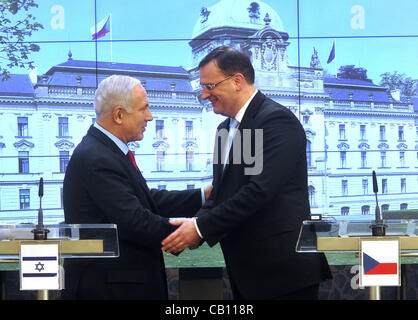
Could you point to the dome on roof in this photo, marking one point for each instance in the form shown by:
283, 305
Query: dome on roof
248, 14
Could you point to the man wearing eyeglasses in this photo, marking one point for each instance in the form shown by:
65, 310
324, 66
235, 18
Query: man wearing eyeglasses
256, 216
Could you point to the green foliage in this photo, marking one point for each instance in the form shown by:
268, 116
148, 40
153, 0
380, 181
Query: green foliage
16, 26
397, 81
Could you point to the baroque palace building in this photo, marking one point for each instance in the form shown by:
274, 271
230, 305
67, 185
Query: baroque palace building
352, 125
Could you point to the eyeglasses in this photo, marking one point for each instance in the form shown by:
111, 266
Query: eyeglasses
210, 87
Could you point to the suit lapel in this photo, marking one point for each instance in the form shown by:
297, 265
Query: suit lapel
139, 182
246, 123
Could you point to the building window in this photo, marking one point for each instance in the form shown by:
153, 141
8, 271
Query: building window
311, 192
403, 185
385, 207
404, 206
343, 158
189, 129
63, 127
342, 131
402, 158
160, 160
162, 187
345, 211
159, 129
190, 186
385, 186
363, 159
64, 158
308, 153
363, 132
365, 210
344, 187
23, 160
62, 197
383, 159
401, 133
22, 127
189, 160
382, 133
365, 185
305, 119
24, 198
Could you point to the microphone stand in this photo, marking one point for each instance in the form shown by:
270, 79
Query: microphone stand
40, 233
378, 228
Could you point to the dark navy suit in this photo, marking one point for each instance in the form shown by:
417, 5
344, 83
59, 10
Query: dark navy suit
257, 218
101, 185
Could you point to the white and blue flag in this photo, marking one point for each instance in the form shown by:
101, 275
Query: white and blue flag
39, 267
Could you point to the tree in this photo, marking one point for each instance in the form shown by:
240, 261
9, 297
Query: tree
397, 81
350, 72
16, 25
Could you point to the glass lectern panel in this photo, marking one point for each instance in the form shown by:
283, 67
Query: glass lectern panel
76, 240
342, 236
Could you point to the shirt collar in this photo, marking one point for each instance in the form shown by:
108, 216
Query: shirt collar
122, 146
241, 112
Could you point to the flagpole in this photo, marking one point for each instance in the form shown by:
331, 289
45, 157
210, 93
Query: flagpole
111, 40
335, 57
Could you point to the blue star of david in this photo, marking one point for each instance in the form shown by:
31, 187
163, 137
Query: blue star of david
39, 266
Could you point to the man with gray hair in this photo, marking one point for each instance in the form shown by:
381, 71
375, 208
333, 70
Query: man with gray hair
103, 184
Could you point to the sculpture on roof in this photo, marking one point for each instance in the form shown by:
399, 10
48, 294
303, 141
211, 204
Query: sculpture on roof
204, 13
254, 10
315, 63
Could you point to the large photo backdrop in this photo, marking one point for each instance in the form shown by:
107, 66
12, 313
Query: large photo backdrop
345, 68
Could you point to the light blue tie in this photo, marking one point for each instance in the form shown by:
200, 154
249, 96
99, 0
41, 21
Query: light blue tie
233, 125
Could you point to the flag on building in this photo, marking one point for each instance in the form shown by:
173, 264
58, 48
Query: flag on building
101, 29
380, 263
332, 53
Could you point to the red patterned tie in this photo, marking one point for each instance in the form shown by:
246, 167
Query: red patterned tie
132, 158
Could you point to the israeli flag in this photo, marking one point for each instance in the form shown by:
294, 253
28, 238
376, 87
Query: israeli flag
39, 267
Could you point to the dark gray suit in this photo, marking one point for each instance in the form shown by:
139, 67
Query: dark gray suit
257, 218
101, 185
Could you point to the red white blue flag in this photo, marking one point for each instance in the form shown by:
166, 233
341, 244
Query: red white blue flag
101, 29
379, 263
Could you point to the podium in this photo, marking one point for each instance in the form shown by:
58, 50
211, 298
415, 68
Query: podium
343, 237
41, 260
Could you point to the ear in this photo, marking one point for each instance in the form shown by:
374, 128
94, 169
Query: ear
117, 114
239, 81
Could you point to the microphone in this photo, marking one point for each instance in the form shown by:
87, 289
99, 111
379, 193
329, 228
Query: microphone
376, 190
375, 187
40, 212
378, 228
40, 233
41, 188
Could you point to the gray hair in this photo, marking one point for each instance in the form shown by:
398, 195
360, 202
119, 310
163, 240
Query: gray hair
114, 91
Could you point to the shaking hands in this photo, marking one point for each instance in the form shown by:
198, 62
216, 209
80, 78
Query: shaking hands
186, 235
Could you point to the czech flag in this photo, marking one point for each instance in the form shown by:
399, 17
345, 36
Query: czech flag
379, 263
101, 29
372, 266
